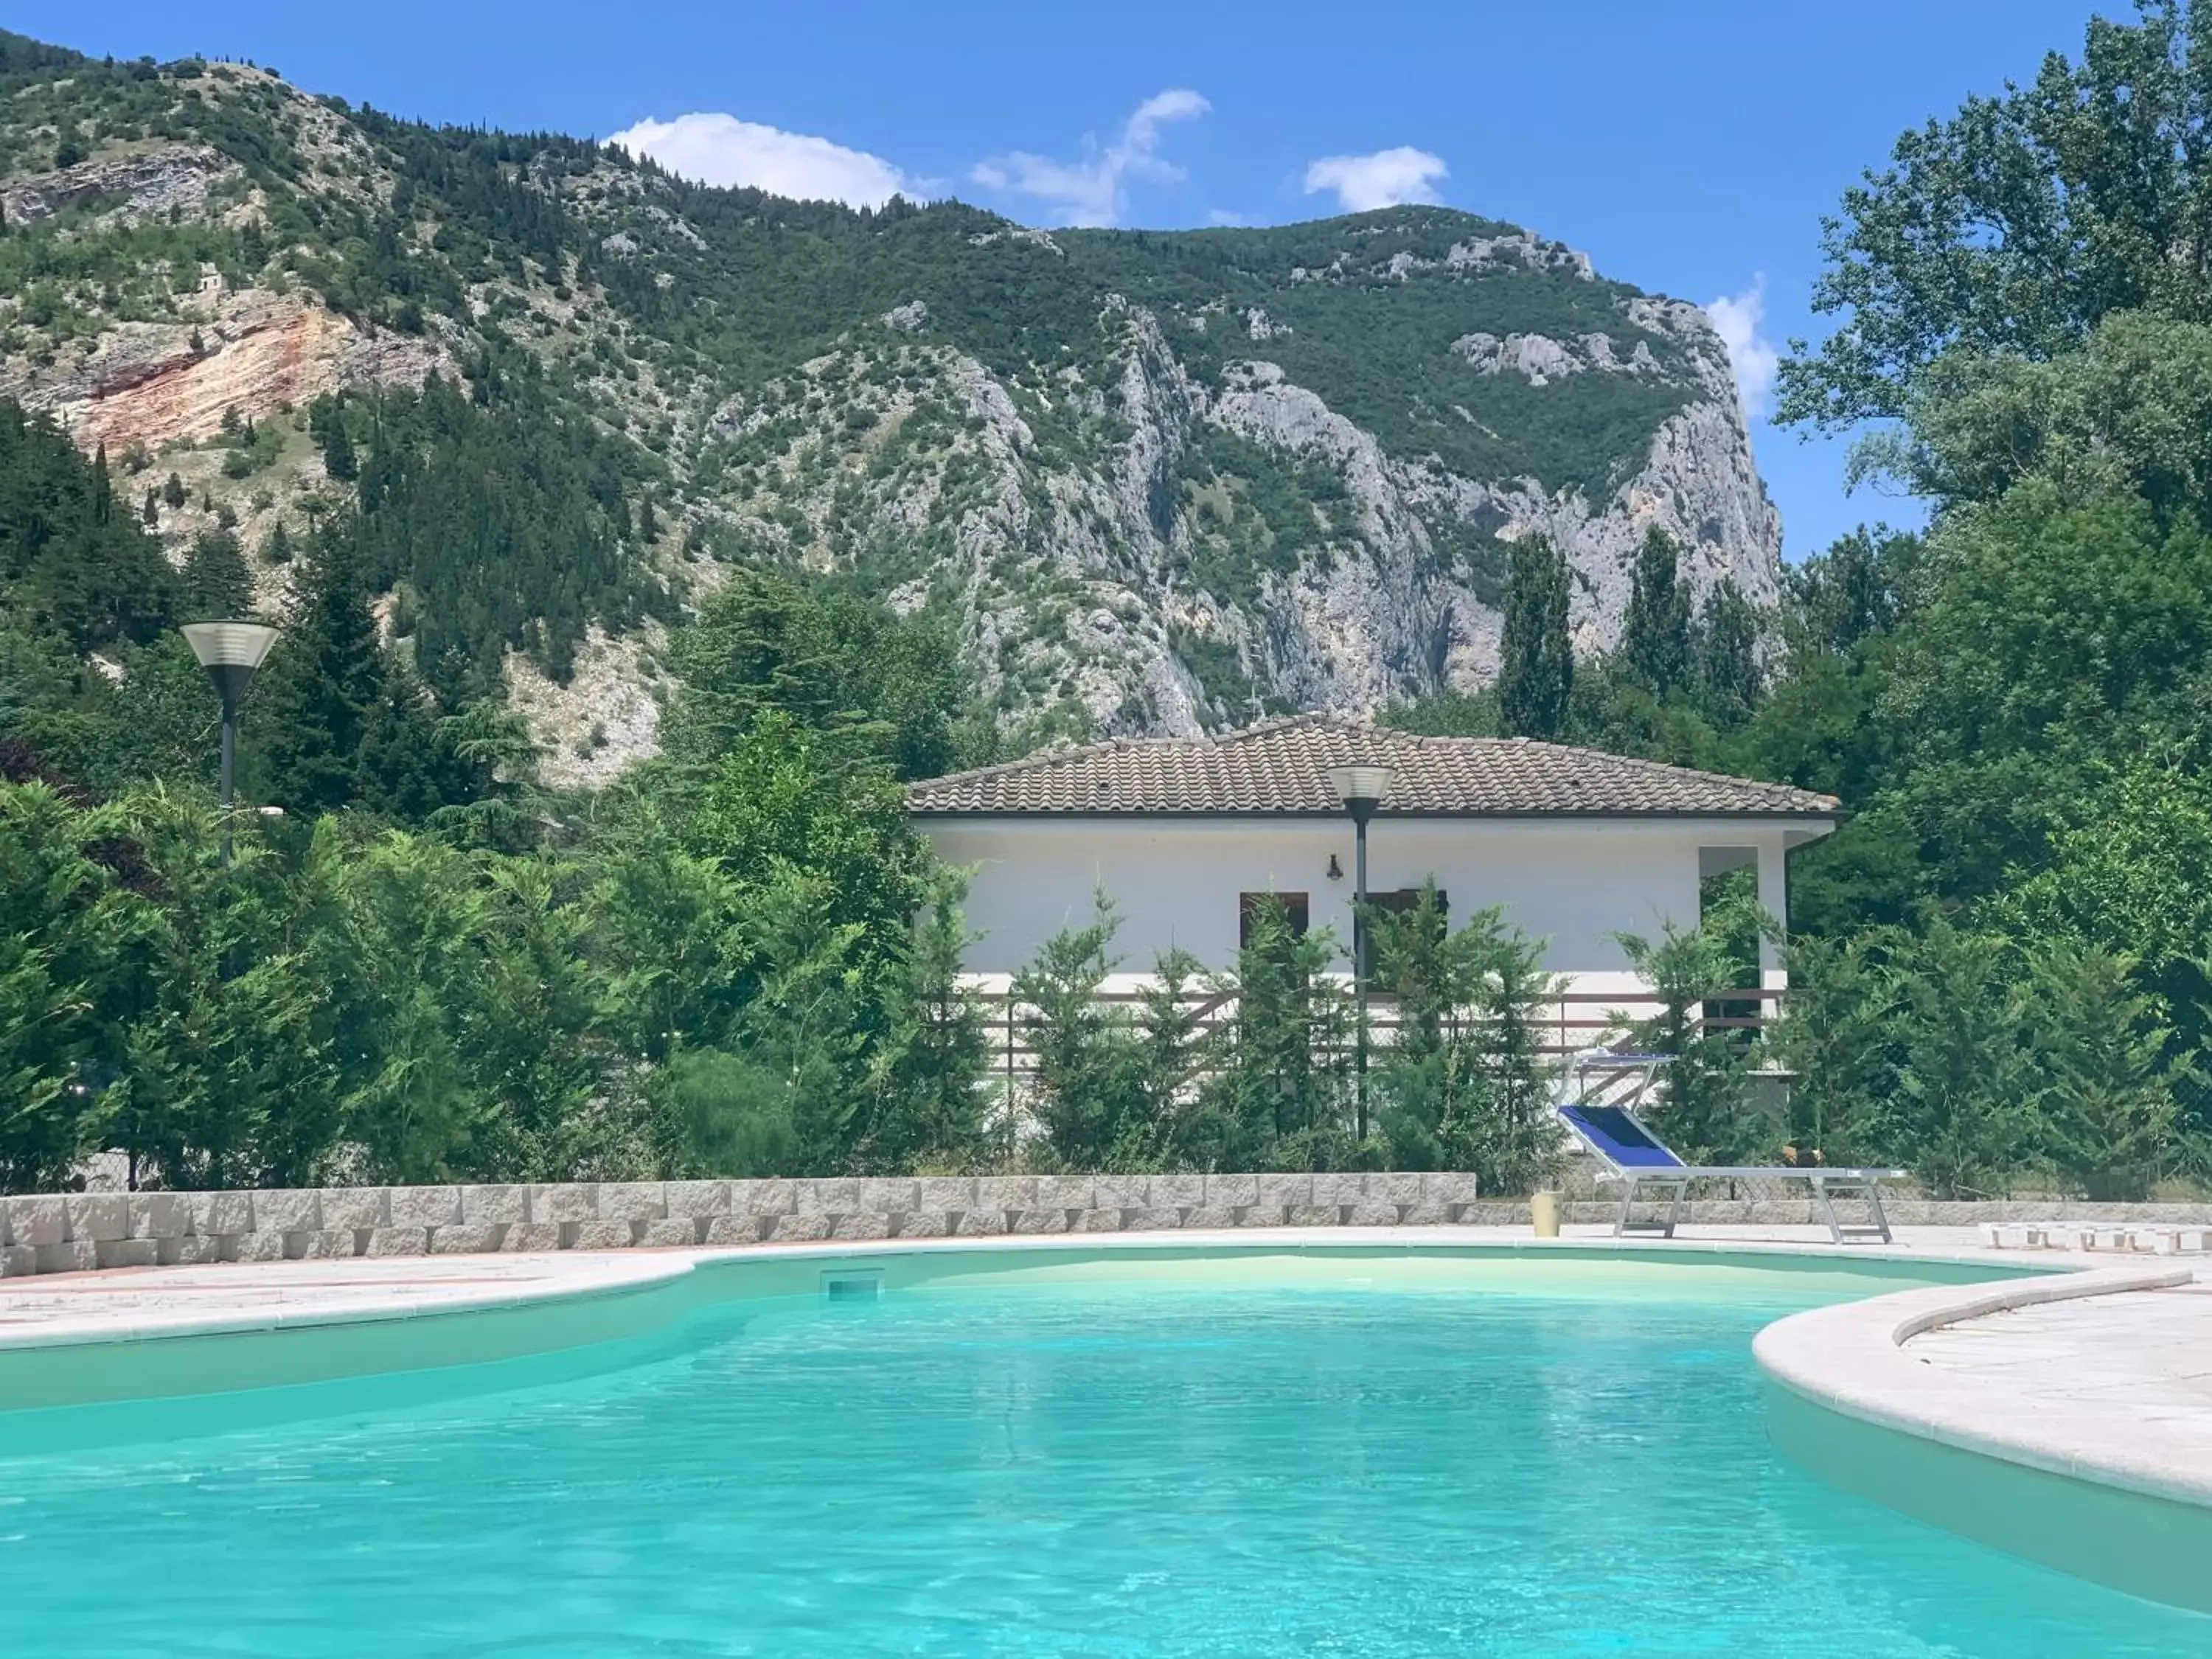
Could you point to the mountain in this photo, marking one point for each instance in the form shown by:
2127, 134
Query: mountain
1164, 481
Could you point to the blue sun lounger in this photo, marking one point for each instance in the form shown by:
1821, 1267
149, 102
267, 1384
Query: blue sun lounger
1646, 1170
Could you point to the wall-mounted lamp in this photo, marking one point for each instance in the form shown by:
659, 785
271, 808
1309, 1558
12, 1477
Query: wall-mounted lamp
1335, 870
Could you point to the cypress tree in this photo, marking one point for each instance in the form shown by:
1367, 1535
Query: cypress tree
216, 580
1656, 640
173, 492
1537, 672
326, 682
1728, 680
337, 450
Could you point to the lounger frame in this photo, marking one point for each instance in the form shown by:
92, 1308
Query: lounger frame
1660, 1184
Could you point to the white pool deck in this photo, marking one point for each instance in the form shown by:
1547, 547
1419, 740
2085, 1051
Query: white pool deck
2104, 1373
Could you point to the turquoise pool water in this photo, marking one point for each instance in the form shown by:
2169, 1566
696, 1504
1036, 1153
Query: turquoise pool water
1037, 1471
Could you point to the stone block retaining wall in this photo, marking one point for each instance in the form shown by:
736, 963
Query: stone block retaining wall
63, 1233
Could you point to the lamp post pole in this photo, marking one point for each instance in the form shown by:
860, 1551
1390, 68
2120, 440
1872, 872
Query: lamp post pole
1361, 788
229, 650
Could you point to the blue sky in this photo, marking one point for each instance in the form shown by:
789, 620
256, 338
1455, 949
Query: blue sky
1690, 147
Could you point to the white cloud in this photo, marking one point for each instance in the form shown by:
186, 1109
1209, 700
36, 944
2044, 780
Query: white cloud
1226, 217
1386, 179
720, 149
1095, 190
1738, 319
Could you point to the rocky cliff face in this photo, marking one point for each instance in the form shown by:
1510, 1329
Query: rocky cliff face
1164, 482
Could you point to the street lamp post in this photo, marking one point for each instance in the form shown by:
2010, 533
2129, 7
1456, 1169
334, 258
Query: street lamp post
1361, 789
229, 650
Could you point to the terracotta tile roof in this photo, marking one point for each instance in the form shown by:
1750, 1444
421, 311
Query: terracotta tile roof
1283, 766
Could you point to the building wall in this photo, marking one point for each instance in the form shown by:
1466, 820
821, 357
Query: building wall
1574, 882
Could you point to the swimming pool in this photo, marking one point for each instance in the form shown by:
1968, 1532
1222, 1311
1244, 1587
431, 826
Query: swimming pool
1382, 1456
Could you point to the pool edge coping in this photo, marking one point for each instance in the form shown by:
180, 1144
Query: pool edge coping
1850, 1359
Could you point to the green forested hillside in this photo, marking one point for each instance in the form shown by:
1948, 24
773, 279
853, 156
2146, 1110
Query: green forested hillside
1133, 470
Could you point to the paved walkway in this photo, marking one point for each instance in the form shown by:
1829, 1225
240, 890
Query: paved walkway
60, 1308
2146, 1355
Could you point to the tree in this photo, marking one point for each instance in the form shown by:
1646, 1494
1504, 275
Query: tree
173, 491
320, 688
338, 458
1083, 1076
933, 1106
1464, 1084
2013, 227
1537, 667
1655, 635
2102, 1082
216, 580
1725, 675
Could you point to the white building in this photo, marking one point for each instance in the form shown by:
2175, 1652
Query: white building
1577, 845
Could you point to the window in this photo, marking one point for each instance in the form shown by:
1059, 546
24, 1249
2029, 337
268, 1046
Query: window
1248, 911
1401, 900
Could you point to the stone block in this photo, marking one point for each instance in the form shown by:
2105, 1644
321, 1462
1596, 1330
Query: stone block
535, 1236
1181, 1192
1259, 1215
1424, 1215
1228, 1191
1095, 1221
36, 1221
75, 1256
126, 1252
889, 1193
1053, 1220
602, 1235
467, 1238
191, 1250
1117, 1192
764, 1198
1311, 1215
1371, 1214
633, 1200
425, 1207
484, 1206
977, 1223
1211, 1217
829, 1195
922, 1224
1005, 1193
356, 1209
320, 1244
222, 1213
946, 1193
1394, 1187
796, 1229
256, 1246
700, 1199
398, 1240
18, 1260
160, 1215
98, 1217
288, 1210
564, 1201
1338, 1188
1152, 1218
733, 1230
1284, 1189
860, 1223
675, 1229
1447, 1187
67, 1257
1069, 1191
